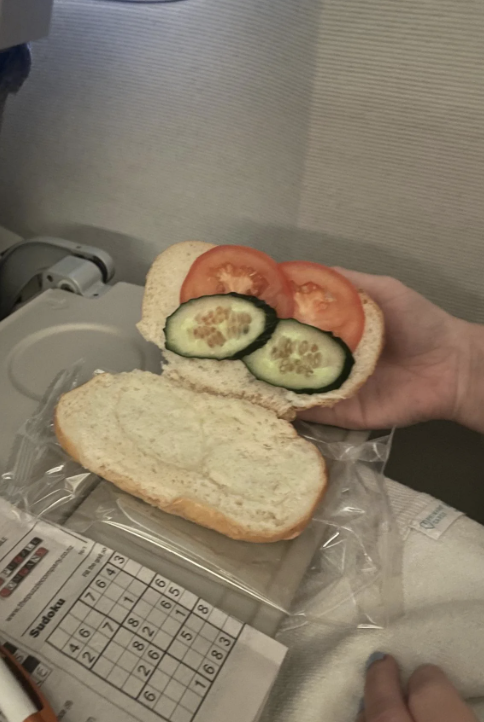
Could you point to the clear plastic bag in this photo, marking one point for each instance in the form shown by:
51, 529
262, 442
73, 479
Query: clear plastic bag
344, 568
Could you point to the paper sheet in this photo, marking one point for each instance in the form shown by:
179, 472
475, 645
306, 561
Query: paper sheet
107, 638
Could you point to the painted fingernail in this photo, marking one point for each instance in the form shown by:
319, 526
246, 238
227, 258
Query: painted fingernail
375, 657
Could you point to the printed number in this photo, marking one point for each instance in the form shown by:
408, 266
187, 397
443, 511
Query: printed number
119, 559
108, 626
89, 595
200, 684
153, 654
84, 633
90, 657
160, 583
186, 635
132, 622
203, 609
216, 654
101, 583
224, 640
73, 647
128, 599
110, 571
166, 604
144, 670
138, 645
149, 696
208, 669
174, 591
181, 612
148, 631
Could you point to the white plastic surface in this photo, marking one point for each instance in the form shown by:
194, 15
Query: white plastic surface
22, 21
51, 333
55, 330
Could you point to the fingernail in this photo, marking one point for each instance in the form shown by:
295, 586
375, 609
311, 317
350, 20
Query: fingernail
361, 706
375, 657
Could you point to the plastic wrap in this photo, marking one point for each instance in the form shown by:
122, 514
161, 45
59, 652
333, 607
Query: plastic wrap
343, 569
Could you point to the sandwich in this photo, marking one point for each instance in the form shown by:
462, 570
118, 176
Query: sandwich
317, 307
246, 344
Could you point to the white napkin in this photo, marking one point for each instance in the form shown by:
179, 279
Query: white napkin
443, 577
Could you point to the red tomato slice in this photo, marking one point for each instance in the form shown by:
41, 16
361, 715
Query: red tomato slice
326, 299
226, 269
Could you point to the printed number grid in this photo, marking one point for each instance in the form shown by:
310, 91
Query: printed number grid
148, 637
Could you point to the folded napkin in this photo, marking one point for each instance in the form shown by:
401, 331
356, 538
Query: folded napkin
443, 579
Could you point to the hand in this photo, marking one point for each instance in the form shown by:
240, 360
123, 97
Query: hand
430, 696
423, 371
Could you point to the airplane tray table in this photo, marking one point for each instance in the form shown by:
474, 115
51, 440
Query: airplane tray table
52, 333
55, 330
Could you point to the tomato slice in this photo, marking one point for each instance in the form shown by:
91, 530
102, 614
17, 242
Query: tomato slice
239, 269
326, 299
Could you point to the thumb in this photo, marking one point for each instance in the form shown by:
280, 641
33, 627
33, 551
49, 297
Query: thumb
346, 414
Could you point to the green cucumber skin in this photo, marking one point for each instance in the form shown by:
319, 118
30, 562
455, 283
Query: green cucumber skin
271, 322
270, 326
336, 384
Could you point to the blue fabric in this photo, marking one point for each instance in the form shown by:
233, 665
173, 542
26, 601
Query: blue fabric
14, 68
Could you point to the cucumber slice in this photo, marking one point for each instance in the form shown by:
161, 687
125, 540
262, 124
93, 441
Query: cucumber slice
302, 358
226, 326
